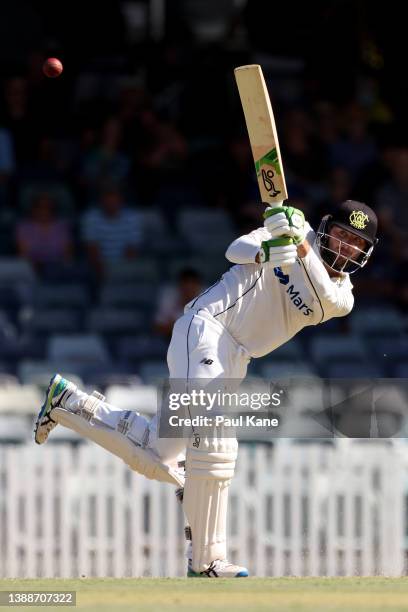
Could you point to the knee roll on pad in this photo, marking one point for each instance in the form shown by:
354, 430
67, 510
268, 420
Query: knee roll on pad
209, 470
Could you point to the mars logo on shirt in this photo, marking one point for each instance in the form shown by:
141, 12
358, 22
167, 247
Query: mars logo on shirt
292, 292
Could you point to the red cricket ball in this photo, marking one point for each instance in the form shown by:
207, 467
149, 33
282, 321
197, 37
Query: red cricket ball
52, 67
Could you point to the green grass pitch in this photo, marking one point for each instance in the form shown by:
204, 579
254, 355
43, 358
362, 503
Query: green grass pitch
212, 595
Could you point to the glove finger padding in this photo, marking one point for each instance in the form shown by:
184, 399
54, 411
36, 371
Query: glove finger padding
277, 225
296, 220
278, 251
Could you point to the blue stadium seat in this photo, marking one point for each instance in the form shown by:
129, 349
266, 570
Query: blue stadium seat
401, 370
141, 269
211, 268
350, 369
383, 320
82, 348
292, 350
69, 295
14, 270
153, 371
154, 224
389, 348
101, 377
50, 320
116, 321
142, 398
130, 294
136, 348
287, 369
336, 347
205, 229
40, 372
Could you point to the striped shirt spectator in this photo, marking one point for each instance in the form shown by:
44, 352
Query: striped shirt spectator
112, 232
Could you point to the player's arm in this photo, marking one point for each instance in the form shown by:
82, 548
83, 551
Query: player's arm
245, 249
336, 300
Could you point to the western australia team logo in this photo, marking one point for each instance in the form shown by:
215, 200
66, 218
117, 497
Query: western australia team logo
358, 219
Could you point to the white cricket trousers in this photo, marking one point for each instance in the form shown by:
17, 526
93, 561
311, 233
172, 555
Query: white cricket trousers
200, 348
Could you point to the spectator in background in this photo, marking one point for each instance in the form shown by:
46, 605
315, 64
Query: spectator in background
357, 149
106, 161
43, 238
338, 190
304, 155
173, 298
111, 232
160, 156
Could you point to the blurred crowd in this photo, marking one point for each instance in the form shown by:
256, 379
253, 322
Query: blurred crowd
77, 169
98, 167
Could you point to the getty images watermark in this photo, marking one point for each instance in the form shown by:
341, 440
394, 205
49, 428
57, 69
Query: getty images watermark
304, 408
219, 402
201, 405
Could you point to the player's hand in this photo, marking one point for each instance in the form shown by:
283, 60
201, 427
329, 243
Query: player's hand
278, 252
296, 220
276, 221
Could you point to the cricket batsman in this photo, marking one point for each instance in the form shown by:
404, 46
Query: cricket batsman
285, 277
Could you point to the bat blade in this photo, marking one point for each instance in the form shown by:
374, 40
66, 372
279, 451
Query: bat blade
262, 133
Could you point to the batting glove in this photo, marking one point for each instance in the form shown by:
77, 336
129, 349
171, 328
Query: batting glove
276, 221
296, 220
278, 252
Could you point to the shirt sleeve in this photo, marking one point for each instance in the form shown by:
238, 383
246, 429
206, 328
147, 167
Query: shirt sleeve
334, 295
244, 249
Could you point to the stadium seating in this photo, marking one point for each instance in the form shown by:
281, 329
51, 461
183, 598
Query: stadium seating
337, 346
145, 269
206, 230
128, 295
287, 369
141, 347
153, 372
350, 369
14, 271
40, 372
142, 398
379, 321
50, 320
82, 348
401, 370
114, 321
72, 295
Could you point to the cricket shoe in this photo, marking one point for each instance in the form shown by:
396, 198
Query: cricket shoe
58, 389
219, 569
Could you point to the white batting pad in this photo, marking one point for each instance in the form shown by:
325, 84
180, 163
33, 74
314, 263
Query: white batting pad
142, 460
209, 470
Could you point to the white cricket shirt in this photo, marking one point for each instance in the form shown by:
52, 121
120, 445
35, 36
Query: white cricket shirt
263, 307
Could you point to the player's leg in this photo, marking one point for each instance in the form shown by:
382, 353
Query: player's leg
123, 433
210, 356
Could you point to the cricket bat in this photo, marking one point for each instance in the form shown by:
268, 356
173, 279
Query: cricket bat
262, 133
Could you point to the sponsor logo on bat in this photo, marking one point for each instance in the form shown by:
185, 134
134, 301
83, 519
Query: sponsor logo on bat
270, 159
